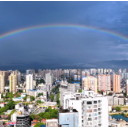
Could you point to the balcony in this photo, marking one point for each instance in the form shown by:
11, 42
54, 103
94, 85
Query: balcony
95, 102
89, 110
95, 110
95, 106
95, 114
99, 125
99, 113
99, 109
99, 105
89, 119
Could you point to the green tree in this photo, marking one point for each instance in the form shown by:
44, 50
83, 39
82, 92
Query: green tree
51, 97
9, 117
41, 114
38, 124
80, 90
32, 116
46, 115
57, 99
118, 109
32, 98
24, 98
9, 95
11, 104
42, 81
40, 94
38, 101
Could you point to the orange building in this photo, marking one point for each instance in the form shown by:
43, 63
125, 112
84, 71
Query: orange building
90, 83
116, 83
104, 82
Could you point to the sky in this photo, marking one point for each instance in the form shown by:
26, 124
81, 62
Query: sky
64, 45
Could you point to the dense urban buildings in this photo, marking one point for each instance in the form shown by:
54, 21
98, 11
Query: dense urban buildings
80, 97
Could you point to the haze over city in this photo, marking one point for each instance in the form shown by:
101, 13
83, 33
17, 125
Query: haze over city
65, 46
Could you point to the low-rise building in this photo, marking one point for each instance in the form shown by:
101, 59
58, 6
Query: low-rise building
48, 104
121, 100
52, 123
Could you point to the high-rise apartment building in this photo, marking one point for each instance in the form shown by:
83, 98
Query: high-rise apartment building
18, 76
13, 81
3, 80
98, 71
49, 78
29, 82
90, 83
116, 83
40, 72
60, 72
101, 71
104, 82
127, 87
92, 108
120, 71
105, 70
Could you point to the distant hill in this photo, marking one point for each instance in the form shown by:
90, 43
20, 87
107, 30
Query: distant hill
114, 64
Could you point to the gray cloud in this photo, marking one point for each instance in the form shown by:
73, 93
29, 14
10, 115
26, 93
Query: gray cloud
63, 45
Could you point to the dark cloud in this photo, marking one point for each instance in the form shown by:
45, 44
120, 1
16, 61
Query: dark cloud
63, 45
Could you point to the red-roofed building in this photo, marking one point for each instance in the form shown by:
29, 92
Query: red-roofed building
43, 121
2, 104
52, 107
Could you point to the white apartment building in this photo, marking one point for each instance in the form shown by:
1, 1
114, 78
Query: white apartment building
29, 82
98, 71
49, 78
18, 76
92, 108
105, 70
101, 70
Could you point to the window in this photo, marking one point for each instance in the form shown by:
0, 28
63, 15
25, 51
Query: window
95, 102
67, 119
89, 102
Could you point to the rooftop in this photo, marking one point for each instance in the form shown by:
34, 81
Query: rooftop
67, 110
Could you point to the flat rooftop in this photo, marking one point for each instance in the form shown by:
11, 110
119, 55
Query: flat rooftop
67, 110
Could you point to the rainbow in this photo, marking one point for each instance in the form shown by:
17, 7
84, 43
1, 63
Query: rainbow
11, 33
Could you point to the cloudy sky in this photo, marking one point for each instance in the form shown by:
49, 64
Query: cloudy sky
63, 45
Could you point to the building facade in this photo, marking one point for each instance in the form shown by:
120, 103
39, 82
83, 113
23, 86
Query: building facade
3, 80
29, 82
90, 83
116, 83
49, 78
68, 117
23, 121
92, 108
13, 81
104, 82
